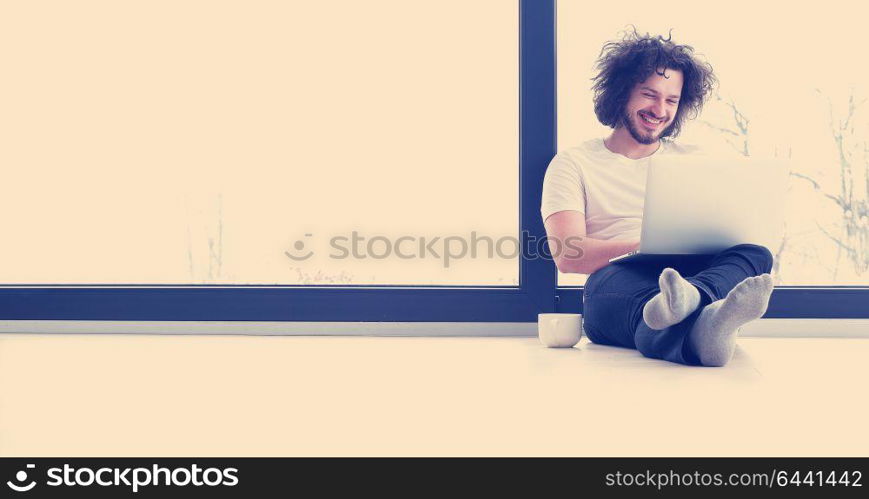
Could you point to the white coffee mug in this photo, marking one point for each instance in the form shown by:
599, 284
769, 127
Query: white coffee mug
559, 330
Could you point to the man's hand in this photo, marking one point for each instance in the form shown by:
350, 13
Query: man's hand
573, 252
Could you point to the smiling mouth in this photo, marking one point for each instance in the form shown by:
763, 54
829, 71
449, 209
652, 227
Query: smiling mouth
649, 121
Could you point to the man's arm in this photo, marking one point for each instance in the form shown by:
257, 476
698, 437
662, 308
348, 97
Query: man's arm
566, 232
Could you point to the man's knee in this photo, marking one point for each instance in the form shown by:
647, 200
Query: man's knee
758, 253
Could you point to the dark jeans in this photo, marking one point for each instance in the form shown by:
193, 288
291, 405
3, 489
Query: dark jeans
615, 295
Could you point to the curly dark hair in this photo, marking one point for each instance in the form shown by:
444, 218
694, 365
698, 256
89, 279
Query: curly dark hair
624, 63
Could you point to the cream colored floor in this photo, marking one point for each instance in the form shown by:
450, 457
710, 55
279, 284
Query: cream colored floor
124, 395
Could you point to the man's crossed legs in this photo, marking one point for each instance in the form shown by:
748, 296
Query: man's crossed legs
690, 320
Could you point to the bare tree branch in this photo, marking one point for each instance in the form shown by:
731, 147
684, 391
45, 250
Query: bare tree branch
720, 129
852, 253
836, 199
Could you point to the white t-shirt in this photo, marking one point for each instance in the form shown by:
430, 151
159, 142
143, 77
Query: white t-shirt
608, 188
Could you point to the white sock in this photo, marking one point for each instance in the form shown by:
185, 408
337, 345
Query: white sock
713, 336
678, 299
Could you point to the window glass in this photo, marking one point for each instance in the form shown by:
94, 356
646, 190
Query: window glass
190, 142
792, 85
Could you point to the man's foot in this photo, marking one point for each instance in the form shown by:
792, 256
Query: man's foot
713, 336
678, 299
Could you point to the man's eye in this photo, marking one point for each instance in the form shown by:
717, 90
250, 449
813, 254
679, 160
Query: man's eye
673, 102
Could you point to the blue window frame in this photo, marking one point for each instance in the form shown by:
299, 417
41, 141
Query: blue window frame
787, 302
537, 291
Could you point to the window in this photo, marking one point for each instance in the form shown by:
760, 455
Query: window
781, 94
108, 173
169, 161
262, 143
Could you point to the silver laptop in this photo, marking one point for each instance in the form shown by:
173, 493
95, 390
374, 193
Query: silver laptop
700, 205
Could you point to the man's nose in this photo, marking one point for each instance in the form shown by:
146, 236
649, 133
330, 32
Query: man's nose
658, 109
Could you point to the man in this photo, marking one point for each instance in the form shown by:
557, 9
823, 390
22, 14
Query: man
645, 89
